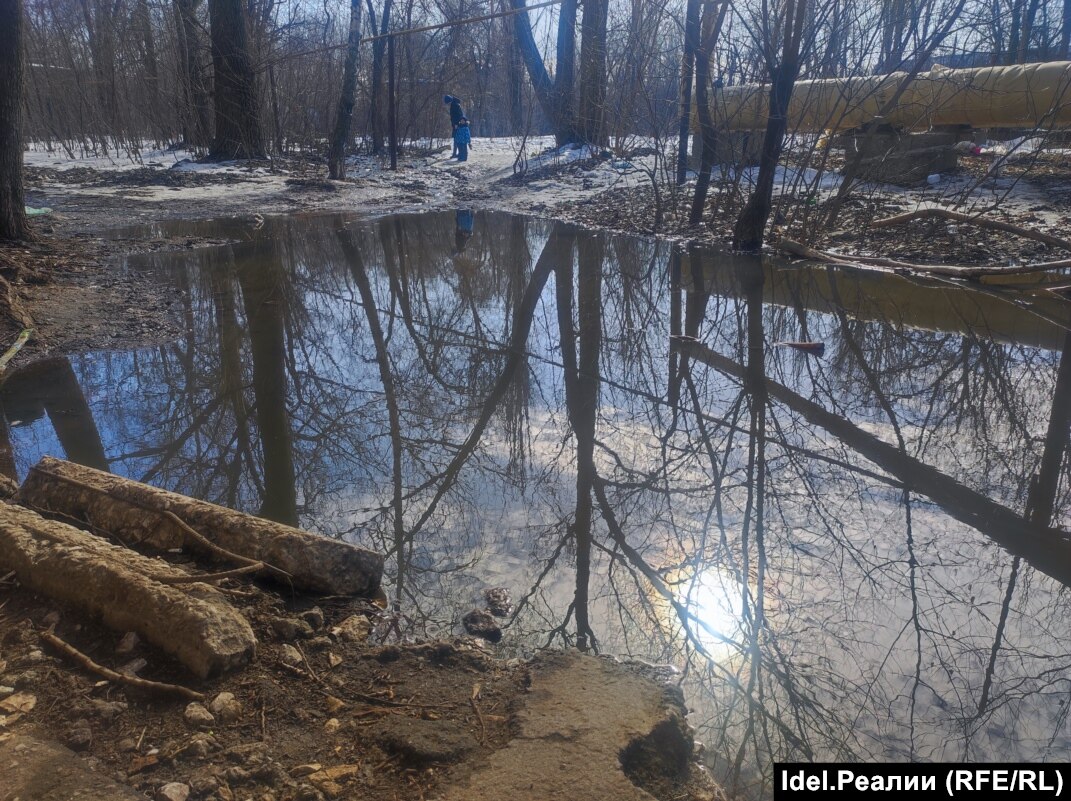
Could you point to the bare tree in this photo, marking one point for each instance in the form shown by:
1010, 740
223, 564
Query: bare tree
592, 101
336, 157
749, 231
238, 129
13, 222
555, 94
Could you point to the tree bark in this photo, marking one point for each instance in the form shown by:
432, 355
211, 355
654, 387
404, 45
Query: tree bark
13, 222
379, 52
238, 126
191, 621
125, 509
196, 109
710, 29
591, 114
691, 43
336, 156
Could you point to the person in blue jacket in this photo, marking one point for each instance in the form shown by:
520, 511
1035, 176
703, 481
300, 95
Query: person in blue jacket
462, 139
456, 114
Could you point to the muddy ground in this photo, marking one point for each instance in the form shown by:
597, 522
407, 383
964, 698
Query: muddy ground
332, 707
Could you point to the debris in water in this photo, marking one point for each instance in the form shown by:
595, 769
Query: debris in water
480, 623
811, 348
498, 601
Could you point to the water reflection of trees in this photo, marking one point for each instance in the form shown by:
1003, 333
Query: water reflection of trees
859, 556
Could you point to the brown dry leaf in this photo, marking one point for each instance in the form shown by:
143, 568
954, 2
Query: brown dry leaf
334, 660
8, 720
19, 702
334, 704
476, 691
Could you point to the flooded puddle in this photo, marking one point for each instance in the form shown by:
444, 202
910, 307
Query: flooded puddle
854, 555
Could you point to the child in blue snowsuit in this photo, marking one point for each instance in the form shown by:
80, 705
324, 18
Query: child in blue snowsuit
462, 138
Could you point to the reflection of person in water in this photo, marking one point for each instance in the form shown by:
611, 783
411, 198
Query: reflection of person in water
464, 229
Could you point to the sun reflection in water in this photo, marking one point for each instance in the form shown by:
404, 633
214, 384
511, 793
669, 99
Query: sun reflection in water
714, 600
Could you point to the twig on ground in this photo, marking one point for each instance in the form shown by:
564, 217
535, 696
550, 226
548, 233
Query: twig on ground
79, 658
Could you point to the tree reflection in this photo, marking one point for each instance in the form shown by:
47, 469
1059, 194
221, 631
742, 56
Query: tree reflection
862, 556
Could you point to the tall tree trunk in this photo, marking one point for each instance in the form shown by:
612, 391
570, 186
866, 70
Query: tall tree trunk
691, 42
514, 81
555, 95
336, 157
591, 114
750, 228
13, 222
379, 51
710, 29
142, 21
1065, 30
196, 110
238, 128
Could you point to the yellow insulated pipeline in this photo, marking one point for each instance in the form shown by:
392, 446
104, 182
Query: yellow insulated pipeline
1017, 96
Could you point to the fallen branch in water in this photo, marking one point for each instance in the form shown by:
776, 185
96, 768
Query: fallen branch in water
158, 687
947, 270
982, 222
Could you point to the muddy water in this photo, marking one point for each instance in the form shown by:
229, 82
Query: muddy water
856, 555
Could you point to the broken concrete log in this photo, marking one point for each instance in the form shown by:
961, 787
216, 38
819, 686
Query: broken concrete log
137, 514
193, 622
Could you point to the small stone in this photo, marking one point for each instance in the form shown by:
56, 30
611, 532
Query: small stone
334, 660
320, 643
306, 792
34, 656
304, 770
480, 623
355, 628
225, 794
247, 753
314, 617
198, 716
236, 775
173, 791
289, 629
79, 736
129, 642
199, 747
203, 782
127, 744
332, 725
134, 666
226, 707
108, 710
290, 655
51, 620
